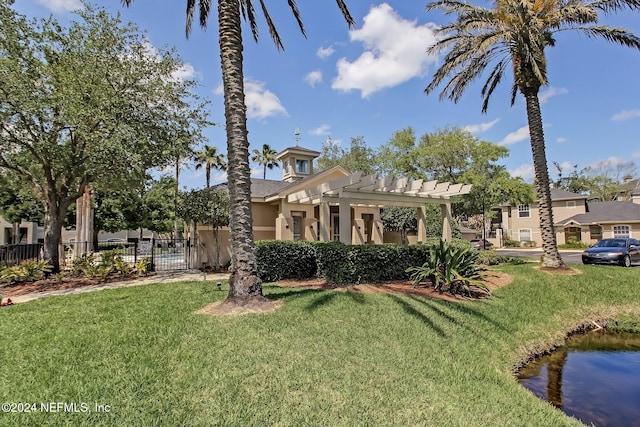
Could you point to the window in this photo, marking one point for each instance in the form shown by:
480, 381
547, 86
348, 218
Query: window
297, 224
595, 231
571, 204
621, 231
523, 211
302, 166
524, 234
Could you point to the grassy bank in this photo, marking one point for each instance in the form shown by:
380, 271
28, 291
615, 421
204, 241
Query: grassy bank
325, 358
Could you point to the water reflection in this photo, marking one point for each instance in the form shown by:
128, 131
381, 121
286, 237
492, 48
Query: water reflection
595, 377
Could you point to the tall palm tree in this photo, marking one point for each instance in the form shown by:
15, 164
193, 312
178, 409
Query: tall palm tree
209, 158
266, 157
244, 282
516, 33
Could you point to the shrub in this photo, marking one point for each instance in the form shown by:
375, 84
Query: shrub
508, 243
28, 271
282, 259
450, 269
492, 258
529, 244
333, 262
573, 243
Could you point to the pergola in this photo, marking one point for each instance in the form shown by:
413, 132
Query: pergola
371, 190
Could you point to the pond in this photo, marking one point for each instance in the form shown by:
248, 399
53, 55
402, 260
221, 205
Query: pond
595, 378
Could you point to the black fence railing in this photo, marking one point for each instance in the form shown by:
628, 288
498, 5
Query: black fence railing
11, 255
164, 254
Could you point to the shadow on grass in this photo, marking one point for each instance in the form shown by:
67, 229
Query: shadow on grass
432, 305
409, 309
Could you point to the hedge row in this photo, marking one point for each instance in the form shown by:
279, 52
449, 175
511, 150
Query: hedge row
338, 263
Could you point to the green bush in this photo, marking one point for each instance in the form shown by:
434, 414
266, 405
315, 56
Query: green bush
27, 271
450, 268
352, 264
282, 259
508, 243
492, 258
573, 243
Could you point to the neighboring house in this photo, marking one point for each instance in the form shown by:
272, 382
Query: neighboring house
28, 232
603, 220
574, 218
630, 190
330, 205
31, 232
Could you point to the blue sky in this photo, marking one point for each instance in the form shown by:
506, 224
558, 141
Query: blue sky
369, 82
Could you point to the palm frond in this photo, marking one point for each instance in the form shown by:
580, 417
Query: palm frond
345, 12
608, 6
616, 35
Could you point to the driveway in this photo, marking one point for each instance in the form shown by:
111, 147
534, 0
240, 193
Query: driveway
568, 256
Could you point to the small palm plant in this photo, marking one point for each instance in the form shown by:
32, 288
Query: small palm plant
451, 269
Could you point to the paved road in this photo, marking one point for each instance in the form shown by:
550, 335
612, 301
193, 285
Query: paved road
569, 257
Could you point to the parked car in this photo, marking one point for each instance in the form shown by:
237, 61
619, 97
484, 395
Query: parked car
478, 244
617, 251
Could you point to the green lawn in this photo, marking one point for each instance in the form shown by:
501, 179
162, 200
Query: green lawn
324, 358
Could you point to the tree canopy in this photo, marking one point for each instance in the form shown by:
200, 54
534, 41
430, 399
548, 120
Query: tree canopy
86, 104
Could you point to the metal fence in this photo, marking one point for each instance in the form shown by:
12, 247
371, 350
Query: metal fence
11, 255
164, 254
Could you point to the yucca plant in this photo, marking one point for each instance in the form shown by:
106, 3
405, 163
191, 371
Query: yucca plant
451, 269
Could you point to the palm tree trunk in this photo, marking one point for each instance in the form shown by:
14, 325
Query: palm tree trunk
551, 257
244, 282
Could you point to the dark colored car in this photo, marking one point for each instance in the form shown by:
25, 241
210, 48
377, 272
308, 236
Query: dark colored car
613, 251
477, 243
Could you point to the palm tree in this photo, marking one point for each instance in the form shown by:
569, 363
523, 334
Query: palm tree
209, 158
516, 33
266, 157
244, 282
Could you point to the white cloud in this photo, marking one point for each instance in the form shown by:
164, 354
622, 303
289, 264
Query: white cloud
261, 102
636, 154
321, 130
257, 172
517, 136
325, 52
184, 72
61, 5
626, 115
550, 93
395, 52
481, 127
561, 139
313, 77
524, 171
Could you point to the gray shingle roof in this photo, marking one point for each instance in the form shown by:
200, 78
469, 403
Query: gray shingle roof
607, 212
266, 187
262, 187
557, 194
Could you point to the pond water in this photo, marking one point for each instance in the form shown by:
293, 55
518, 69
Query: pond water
595, 378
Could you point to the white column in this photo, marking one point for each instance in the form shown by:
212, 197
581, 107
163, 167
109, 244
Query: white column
345, 221
325, 222
446, 221
422, 224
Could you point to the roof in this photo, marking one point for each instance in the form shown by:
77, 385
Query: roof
599, 212
266, 187
557, 194
297, 150
261, 187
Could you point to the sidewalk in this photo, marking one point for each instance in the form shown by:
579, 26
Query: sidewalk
163, 277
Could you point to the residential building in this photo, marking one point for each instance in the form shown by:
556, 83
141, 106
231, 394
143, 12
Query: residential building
575, 218
333, 204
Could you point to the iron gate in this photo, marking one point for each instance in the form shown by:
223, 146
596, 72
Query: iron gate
168, 254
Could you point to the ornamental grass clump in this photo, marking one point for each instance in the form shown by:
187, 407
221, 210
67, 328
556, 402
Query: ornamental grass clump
450, 269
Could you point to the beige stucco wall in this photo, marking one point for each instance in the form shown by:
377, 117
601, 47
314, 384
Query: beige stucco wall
562, 209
